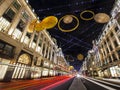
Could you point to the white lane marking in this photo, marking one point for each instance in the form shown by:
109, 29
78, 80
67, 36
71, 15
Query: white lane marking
102, 85
106, 82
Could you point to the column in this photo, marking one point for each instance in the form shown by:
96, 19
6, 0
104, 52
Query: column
42, 48
107, 45
4, 6
45, 50
15, 21
24, 32
111, 42
48, 52
38, 40
31, 39
116, 37
51, 53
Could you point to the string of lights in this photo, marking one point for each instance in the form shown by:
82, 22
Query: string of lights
72, 43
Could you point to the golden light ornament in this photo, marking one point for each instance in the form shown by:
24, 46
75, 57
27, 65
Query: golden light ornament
102, 18
71, 67
31, 26
70, 30
39, 27
87, 11
49, 22
67, 19
80, 57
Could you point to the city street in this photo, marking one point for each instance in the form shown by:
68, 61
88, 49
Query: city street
36, 84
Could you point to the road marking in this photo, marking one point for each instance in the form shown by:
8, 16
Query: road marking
106, 82
102, 85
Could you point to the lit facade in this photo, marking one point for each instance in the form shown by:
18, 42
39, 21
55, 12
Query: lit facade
107, 58
25, 55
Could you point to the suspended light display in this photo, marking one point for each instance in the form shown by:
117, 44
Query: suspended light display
69, 30
71, 68
102, 18
31, 26
67, 19
80, 57
49, 22
46, 23
87, 12
39, 27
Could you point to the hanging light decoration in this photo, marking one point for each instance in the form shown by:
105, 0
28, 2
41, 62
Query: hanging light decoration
80, 57
102, 18
71, 68
39, 27
69, 30
46, 23
31, 26
67, 19
49, 22
87, 12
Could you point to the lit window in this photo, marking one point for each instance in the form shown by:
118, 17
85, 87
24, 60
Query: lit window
33, 45
17, 34
38, 49
116, 28
26, 40
4, 24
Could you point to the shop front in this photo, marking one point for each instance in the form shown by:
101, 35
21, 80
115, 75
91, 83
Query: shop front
36, 72
22, 67
115, 71
45, 72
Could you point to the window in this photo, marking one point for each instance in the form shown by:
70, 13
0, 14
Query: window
116, 28
118, 19
6, 50
40, 42
107, 39
111, 34
4, 24
110, 48
26, 40
115, 43
25, 16
118, 53
114, 57
16, 5
9, 15
21, 25
17, 34
43, 48
107, 50
35, 38
110, 60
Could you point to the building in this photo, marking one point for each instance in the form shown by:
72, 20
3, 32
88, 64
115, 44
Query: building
25, 55
107, 58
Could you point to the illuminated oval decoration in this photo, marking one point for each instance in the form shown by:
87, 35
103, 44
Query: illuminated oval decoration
49, 22
31, 26
67, 19
102, 18
71, 67
85, 12
71, 29
39, 27
80, 57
